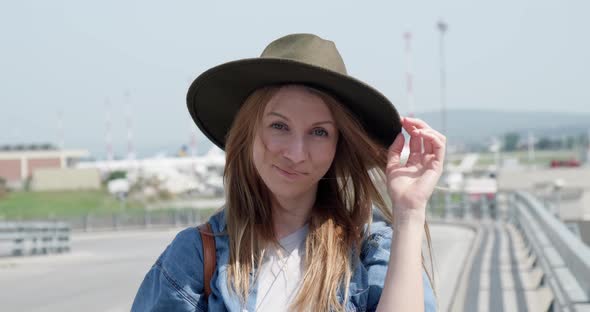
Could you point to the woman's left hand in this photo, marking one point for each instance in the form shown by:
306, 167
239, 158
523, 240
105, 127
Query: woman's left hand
410, 185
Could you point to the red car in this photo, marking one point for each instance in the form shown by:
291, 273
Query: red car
565, 163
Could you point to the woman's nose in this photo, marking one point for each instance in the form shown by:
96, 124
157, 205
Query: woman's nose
295, 150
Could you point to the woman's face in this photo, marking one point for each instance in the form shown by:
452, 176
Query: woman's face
296, 142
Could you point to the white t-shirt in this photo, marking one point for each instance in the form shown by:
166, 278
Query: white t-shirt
281, 273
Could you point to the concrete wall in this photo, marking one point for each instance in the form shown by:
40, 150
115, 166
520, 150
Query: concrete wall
51, 179
40, 163
10, 170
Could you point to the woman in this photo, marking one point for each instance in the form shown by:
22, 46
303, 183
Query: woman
314, 186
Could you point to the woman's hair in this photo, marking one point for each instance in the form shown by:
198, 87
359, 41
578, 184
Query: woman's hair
352, 185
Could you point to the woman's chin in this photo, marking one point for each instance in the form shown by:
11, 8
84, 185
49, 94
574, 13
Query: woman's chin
289, 190
287, 193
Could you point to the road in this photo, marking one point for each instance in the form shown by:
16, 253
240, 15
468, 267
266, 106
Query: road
451, 245
104, 270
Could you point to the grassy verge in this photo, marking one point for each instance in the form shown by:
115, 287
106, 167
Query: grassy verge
32, 205
68, 204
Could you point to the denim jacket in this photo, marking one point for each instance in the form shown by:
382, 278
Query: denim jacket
175, 281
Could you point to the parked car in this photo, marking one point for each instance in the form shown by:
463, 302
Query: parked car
555, 163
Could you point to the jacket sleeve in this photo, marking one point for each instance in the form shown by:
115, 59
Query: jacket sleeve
375, 258
175, 281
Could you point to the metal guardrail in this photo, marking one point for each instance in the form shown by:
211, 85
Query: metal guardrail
31, 238
564, 258
135, 220
146, 219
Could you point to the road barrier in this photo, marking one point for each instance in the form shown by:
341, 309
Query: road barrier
32, 238
147, 219
564, 258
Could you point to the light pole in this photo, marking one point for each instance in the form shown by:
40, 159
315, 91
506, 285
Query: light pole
409, 87
442, 27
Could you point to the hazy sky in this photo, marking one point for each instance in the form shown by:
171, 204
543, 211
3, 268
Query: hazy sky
73, 55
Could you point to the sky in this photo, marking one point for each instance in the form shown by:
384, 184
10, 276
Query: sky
71, 58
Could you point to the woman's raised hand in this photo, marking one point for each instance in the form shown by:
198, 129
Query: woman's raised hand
410, 185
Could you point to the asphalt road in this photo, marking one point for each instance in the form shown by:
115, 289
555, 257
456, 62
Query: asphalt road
104, 270
451, 245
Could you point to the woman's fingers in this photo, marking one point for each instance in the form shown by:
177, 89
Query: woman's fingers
418, 124
415, 142
395, 151
428, 149
407, 125
415, 126
421, 135
428, 145
433, 142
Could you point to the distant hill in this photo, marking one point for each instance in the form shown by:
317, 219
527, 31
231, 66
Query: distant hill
473, 126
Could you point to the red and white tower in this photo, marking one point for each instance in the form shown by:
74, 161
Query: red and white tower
129, 124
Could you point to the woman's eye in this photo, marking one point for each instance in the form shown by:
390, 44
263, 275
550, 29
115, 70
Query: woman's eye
277, 126
320, 132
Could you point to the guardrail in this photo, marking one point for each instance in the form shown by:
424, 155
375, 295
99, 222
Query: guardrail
563, 257
125, 220
31, 238
143, 220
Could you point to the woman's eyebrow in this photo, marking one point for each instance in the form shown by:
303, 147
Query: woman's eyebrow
277, 114
287, 119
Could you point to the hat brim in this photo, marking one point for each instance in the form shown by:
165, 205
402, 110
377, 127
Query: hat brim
215, 96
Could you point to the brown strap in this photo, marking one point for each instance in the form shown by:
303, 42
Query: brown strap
208, 254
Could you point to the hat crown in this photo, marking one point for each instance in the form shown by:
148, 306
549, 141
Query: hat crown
307, 48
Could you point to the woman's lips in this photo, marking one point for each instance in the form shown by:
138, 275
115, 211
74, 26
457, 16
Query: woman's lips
288, 174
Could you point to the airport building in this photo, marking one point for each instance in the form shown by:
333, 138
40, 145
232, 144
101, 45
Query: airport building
18, 163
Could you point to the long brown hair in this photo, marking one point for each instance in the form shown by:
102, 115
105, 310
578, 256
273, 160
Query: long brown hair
345, 197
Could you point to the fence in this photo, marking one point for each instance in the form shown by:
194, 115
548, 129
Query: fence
461, 205
145, 219
21, 238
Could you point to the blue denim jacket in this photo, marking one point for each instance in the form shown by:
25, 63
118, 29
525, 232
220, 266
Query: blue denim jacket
175, 281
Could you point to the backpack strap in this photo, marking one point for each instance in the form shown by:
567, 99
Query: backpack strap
208, 255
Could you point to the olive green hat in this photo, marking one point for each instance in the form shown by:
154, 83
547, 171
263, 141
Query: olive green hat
215, 97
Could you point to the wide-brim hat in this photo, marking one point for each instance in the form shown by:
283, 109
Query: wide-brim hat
215, 96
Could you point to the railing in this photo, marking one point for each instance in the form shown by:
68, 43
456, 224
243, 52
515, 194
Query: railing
122, 220
460, 205
23, 238
559, 253
564, 258
31, 238
144, 220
